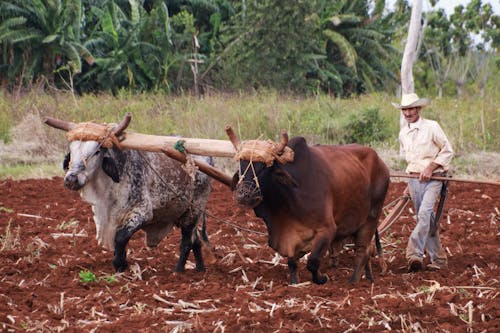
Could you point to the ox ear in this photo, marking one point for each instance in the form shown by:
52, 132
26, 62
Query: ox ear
67, 158
110, 168
283, 177
235, 181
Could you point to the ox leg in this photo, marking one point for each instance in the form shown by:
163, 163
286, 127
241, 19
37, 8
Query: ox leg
319, 249
369, 271
122, 237
189, 241
198, 255
206, 248
292, 267
362, 259
334, 253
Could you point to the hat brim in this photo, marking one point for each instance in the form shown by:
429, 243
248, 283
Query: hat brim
421, 102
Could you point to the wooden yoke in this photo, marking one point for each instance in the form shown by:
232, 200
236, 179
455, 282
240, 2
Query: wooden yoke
155, 143
202, 166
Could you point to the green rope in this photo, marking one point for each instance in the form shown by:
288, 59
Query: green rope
179, 145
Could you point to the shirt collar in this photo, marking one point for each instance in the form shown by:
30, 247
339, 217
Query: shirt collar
415, 125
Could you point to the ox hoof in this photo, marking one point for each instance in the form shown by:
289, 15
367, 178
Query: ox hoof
121, 269
353, 280
320, 279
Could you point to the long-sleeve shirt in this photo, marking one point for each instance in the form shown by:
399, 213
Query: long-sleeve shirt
423, 142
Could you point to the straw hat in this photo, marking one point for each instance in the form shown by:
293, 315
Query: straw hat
411, 101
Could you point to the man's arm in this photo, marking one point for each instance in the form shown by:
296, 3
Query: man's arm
426, 175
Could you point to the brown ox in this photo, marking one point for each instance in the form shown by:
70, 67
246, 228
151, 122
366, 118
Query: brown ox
312, 197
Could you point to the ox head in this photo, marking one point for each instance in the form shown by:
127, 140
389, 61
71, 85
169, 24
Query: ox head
89, 150
259, 166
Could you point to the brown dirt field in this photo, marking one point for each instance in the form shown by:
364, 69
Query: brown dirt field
48, 237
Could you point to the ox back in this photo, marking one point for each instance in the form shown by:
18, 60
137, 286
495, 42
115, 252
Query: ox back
326, 194
131, 190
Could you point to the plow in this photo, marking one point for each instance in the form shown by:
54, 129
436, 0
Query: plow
180, 148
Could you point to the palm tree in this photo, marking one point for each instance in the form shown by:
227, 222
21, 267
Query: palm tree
121, 57
39, 36
357, 45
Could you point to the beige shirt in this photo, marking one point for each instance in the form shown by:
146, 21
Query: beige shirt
423, 142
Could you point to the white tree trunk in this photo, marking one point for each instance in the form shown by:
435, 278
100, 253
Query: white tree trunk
409, 55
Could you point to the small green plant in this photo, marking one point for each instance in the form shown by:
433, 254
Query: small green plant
424, 289
464, 317
110, 278
464, 293
34, 250
6, 210
67, 224
87, 277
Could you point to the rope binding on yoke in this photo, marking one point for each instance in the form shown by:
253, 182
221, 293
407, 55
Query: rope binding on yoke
102, 133
265, 151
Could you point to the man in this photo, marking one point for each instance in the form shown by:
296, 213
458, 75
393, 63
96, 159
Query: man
428, 153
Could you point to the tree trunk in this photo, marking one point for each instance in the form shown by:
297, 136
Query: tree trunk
409, 55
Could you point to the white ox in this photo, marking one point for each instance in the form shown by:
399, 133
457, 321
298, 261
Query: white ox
132, 190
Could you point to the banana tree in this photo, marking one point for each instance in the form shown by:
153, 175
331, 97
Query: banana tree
39, 36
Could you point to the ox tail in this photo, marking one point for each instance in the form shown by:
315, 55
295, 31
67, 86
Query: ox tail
380, 253
378, 244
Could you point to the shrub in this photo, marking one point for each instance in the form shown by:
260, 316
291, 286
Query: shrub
364, 127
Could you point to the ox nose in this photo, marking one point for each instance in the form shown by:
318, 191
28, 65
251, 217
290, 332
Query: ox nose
71, 181
248, 194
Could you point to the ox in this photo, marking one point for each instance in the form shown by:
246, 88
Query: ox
312, 197
132, 190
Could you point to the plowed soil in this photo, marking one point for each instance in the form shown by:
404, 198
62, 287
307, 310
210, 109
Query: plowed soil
54, 276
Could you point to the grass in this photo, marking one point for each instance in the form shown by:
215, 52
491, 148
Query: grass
29, 149
36, 170
10, 239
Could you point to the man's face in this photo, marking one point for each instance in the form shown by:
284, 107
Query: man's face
411, 114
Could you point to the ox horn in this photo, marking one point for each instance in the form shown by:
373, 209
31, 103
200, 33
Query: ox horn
123, 124
284, 141
59, 124
232, 137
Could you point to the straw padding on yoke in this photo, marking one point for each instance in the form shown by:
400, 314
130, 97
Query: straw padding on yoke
263, 151
102, 133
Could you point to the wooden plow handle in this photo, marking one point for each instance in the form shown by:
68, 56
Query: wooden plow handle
405, 175
394, 214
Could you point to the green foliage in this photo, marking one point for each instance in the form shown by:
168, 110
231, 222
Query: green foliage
269, 44
87, 277
344, 48
5, 125
36, 36
90, 277
357, 47
452, 46
365, 127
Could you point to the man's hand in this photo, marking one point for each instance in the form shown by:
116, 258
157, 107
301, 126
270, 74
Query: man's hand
406, 192
426, 175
